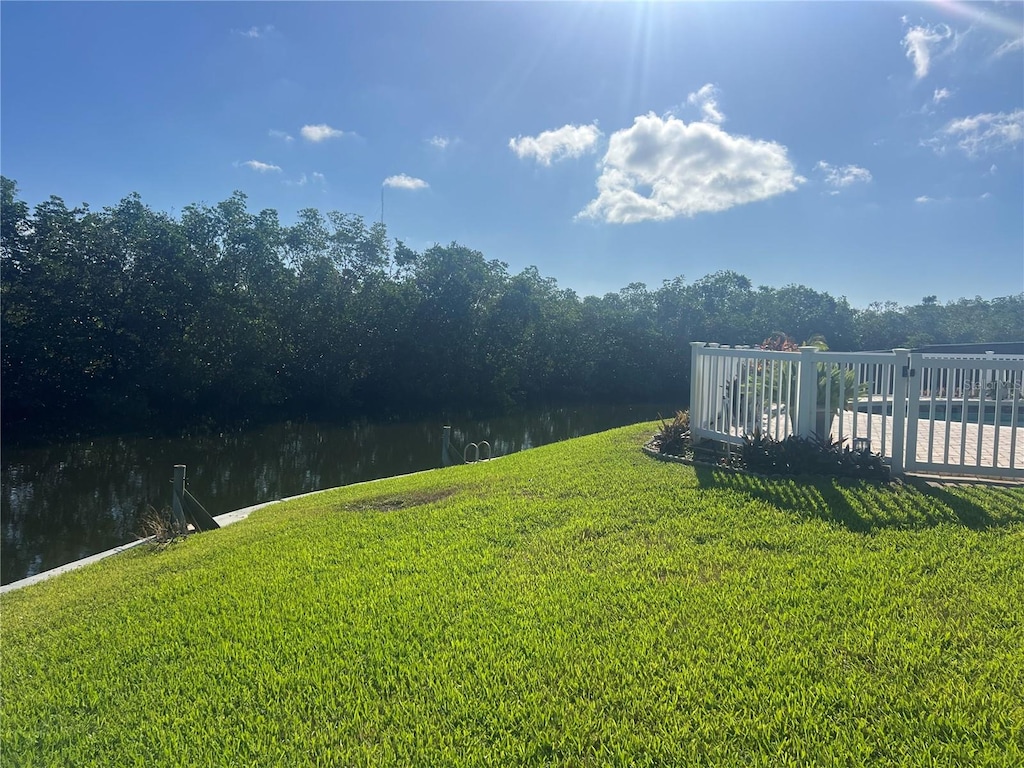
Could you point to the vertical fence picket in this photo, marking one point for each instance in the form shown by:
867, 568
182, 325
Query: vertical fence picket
931, 411
950, 389
882, 374
997, 412
1014, 415
964, 396
982, 386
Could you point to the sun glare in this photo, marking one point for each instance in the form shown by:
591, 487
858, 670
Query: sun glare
978, 15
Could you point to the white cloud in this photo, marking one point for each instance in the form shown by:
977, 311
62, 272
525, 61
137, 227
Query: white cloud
440, 142
919, 41
286, 138
707, 99
401, 181
923, 199
256, 165
661, 168
837, 176
940, 95
321, 132
319, 177
983, 133
255, 33
567, 141
985, 196
1009, 47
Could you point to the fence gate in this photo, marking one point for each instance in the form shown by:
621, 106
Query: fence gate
965, 415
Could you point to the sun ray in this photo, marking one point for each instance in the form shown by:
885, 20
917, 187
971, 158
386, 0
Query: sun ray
981, 16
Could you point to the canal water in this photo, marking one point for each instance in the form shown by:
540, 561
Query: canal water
70, 500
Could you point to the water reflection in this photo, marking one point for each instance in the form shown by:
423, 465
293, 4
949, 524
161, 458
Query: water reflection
70, 500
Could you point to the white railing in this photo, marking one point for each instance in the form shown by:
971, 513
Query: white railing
959, 413
970, 411
739, 391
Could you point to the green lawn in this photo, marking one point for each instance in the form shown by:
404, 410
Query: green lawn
576, 604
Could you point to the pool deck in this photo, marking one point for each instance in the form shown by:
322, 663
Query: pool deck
967, 445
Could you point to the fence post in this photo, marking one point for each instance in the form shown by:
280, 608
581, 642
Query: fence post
446, 441
900, 394
177, 494
807, 392
696, 406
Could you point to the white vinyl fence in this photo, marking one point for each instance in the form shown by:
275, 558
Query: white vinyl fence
948, 414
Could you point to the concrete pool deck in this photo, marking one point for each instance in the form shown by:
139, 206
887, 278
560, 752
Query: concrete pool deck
984, 446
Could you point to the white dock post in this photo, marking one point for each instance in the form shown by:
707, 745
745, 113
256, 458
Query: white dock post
446, 441
177, 494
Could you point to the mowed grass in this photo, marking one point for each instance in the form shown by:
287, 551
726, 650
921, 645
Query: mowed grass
577, 604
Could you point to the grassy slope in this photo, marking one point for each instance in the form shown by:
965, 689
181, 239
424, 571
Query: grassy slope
577, 604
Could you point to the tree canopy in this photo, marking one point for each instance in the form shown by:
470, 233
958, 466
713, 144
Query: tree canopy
128, 318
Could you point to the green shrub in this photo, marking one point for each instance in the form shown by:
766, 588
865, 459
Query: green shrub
674, 436
815, 455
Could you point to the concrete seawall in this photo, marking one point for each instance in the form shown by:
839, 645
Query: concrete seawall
226, 519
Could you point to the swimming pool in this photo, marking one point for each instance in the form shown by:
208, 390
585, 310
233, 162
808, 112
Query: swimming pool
956, 411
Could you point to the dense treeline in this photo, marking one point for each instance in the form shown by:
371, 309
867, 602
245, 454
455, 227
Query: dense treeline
128, 317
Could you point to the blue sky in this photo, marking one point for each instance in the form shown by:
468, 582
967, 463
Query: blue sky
871, 150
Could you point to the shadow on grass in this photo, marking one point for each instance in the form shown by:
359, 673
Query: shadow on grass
865, 507
977, 506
